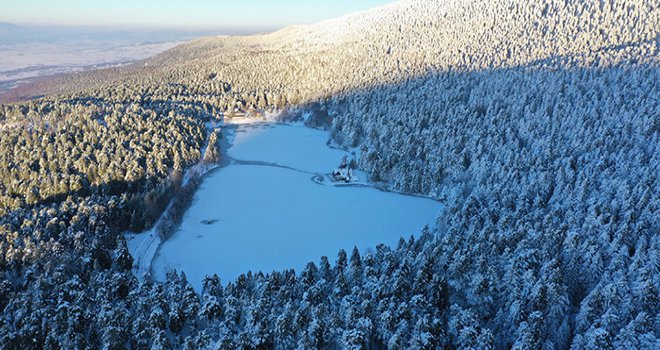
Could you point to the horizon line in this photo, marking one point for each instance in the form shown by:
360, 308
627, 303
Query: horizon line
127, 27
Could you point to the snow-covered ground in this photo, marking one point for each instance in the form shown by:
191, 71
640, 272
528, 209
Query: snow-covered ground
28, 53
294, 146
264, 212
143, 247
26, 61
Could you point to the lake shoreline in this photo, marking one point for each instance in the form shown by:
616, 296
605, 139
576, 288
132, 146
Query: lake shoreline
260, 193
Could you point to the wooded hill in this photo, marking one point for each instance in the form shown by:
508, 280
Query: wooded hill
535, 122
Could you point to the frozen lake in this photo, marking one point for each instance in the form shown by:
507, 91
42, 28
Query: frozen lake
263, 212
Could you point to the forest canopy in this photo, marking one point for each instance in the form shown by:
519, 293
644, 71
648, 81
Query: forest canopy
536, 123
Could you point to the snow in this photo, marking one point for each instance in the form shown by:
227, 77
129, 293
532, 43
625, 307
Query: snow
143, 247
264, 217
294, 146
27, 61
34, 52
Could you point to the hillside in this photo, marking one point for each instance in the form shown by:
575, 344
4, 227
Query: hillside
535, 123
403, 40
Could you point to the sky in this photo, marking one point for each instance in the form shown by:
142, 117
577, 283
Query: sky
190, 14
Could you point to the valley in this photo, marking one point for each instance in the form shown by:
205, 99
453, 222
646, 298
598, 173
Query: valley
263, 212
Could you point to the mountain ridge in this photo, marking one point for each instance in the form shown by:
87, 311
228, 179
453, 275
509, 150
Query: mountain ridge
434, 46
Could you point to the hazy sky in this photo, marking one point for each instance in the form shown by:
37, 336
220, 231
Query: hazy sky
178, 13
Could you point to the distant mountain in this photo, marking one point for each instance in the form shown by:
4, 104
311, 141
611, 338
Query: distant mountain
11, 33
10, 28
4, 25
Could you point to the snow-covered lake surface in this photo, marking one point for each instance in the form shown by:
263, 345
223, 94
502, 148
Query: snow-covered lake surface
263, 212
